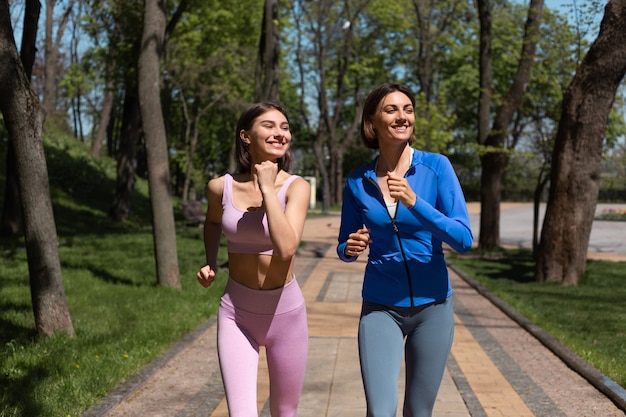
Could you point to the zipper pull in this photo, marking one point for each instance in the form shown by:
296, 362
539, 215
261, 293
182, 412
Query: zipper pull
395, 226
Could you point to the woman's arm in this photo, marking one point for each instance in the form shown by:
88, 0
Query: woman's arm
212, 230
449, 220
286, 227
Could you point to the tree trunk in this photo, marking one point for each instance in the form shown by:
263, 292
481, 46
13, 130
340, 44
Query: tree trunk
495, 161
105, 115
156, 144
493, 166
11, 213
577, 154
24, 120
50, 58
126, 157
320, 160
485, 73
51, 52
542, 181
191, 141
266, 85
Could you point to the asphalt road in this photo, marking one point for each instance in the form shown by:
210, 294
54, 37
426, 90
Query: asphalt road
516, 229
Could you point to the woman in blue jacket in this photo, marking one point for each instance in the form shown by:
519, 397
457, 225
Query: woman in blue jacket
403, 205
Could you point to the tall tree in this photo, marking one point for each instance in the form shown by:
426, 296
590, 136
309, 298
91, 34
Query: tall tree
164, 229
105, 112
192, 114
11, 214
484, 69
114, 32
210, 82
436, 23
24, 122
266, 80
52, 45
494, 159
120, 120
327, 54
126, 153
575, 175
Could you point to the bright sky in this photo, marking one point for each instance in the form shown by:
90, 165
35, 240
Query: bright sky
556, 4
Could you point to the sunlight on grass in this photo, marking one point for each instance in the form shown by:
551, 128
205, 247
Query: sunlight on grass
590, 319
122, 319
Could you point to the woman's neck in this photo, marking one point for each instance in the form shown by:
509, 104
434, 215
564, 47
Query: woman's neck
396, 160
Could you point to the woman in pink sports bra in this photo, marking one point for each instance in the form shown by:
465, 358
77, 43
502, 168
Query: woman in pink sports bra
261, 211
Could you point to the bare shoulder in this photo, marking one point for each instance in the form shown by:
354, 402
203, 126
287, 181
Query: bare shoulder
299, 185
215, 187
214, 192
299, 191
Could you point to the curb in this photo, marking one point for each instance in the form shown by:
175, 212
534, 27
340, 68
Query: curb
125, 389
604, 384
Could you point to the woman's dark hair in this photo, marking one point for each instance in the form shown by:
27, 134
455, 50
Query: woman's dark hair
368, 136
246, 120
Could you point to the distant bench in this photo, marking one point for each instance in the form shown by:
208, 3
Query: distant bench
193, 213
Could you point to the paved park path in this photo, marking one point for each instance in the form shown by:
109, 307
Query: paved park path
497, 366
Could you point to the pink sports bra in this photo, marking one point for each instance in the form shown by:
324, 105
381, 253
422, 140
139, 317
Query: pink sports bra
247, 231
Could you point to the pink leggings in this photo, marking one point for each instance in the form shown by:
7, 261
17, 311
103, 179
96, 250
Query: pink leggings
276, 319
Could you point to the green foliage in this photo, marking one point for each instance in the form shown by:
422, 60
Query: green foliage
434, 124
589, 319
210, 71
212, 54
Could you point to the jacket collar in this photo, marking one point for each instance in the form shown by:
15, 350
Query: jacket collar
370, 169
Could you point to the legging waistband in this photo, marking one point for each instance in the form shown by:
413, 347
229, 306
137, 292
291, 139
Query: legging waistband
275, 301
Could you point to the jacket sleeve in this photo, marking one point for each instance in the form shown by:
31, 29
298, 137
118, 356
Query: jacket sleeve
350, 215
449, 221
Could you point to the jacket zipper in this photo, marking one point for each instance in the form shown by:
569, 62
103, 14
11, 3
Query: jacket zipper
397, 232
406, 264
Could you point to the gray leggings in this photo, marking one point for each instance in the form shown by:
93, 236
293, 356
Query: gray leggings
425, 335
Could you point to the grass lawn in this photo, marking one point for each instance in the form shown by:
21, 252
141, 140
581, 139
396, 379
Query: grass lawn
121, 317
590, 319
122, 320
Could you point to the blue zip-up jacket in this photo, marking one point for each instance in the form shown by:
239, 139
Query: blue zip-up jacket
406, 265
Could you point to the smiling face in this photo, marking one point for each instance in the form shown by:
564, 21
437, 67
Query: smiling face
375, 110
394, 118
269, 137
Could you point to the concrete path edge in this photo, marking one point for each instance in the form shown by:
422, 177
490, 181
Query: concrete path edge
601, 382
125, 389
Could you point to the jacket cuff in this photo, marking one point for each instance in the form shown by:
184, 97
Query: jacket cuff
341, 252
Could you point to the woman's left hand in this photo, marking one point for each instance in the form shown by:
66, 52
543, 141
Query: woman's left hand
266, 173
357, 242
400, 189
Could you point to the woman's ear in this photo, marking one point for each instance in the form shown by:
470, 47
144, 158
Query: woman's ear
245, 138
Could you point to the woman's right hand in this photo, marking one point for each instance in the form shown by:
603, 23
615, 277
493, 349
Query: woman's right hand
206, 276
357, 242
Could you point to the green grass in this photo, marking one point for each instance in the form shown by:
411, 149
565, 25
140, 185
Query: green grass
590, 319
121, 317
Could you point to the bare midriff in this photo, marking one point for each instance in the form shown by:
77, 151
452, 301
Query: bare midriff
260, 272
